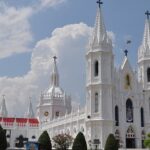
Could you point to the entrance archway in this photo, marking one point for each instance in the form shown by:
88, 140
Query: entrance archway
130, 138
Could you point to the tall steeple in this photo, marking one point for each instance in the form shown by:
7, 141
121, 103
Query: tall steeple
55, 75
30, 113
144, 56
3, 109
99, 34
144, 49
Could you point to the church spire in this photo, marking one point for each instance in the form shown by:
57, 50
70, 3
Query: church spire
144, 49
55, 75
99, 35
30, 113
146, 37
3, 109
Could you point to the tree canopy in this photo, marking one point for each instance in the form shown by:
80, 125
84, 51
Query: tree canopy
44, 141
62, 141
79, 142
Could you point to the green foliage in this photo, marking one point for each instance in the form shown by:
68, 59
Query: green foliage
79, 142
44, 141
3, 141
62, 141
111, 143
147, 141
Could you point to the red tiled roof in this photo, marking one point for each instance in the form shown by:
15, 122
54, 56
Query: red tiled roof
20, 120
8, 119
34, 121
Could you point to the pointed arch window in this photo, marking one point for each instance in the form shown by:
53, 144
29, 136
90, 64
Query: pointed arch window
96, 68
142, 117
148, 74
96, 102
116, 116
129, 111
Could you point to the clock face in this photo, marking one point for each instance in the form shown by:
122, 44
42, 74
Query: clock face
46, 113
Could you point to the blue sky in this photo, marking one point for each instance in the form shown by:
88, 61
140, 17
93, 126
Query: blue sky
32, 31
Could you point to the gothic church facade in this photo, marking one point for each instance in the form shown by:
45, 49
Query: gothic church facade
117, 100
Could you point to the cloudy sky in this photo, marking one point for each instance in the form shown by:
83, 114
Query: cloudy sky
33, 31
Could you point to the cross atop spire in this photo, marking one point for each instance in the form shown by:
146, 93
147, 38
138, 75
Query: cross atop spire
55, 58
126, 52
147, 13
99, 2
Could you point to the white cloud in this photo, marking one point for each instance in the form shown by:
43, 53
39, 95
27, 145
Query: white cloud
50, 3
68, 43
15, 34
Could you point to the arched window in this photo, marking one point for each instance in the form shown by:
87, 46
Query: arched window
96, 68
96, 102
142, 117
129, 111
148, 74
116, 116
128, 80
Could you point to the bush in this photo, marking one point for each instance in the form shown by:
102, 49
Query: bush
79, 142
44, 141
62, 141
147, 141
3, 141
111, 143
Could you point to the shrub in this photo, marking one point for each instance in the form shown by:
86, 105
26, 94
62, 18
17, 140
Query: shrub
147, 141
3, 141
79, 142
44, 141
111, 143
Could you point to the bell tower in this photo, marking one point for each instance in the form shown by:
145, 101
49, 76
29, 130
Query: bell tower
99, 60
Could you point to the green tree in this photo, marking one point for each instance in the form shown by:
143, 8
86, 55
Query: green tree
79, 142
44, 141
3, 141
147, 141
62, 141
111, 143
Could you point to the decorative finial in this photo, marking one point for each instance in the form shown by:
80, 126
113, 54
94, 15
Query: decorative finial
55, 58
126, 51
99, 2
147, 13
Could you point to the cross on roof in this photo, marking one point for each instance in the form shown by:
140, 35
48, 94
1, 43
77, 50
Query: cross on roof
55, 58
99, 2
147, 13
126, 52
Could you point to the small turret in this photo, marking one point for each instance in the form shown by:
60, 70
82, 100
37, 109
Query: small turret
30, 113
3, 109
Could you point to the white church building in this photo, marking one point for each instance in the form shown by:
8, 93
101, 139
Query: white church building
117, 100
